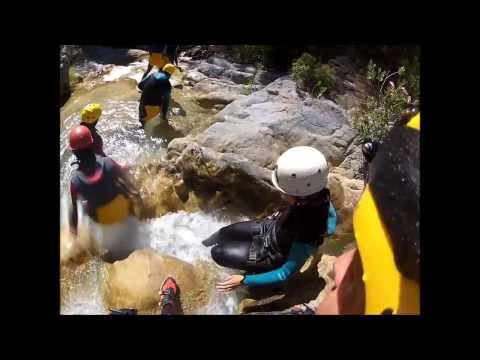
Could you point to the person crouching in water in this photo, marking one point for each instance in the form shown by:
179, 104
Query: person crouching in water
106, 194
90, 115
156, 90
276, 247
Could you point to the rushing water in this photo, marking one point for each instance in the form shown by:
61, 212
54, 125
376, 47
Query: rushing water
177, 234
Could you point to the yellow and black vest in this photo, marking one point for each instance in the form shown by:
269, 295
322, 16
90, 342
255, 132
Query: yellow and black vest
106, 203
387, 222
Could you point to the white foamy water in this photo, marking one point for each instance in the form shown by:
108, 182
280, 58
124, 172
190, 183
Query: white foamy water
134, 70
176, 234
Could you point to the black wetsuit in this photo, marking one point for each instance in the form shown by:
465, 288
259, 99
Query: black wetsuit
156, 90
263, 245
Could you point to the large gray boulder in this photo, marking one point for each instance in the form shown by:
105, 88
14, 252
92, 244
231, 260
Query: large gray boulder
261, 126
217, 82
210, 92
240, 149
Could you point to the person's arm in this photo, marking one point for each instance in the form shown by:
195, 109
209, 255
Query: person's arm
73, 210
332, 220
122, 174
299, 253
140, 85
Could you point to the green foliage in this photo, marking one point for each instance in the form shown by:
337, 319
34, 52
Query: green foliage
374, 119
311, 75
412, 76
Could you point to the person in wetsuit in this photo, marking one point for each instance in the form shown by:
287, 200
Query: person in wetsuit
106, 194
156, 90
276, 247
90, 115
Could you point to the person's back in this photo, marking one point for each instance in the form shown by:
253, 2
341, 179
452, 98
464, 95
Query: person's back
97, 184
154, 87
102, 188
156, 91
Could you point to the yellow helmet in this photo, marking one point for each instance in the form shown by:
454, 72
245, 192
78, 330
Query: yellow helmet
386, 225
169, 68
91, 113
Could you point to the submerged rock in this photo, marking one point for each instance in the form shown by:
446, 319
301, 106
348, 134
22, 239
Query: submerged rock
135, 282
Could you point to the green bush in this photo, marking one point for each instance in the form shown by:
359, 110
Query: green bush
376, 116
412, 76
311, 75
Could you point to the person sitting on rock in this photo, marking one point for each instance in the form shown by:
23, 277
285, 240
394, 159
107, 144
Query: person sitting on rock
156, 90
90, 115
161, 56
105, 193
169, 300
276, 247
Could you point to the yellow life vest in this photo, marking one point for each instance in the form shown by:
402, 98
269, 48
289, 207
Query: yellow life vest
386, 225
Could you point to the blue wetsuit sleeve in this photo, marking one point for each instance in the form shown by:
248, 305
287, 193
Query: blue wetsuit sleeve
299, 253
332, 220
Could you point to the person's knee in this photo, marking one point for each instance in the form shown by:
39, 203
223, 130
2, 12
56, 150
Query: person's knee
218, 254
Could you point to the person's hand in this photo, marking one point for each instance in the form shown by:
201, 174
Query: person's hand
232, 282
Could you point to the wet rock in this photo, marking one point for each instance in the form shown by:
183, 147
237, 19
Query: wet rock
263, 125
135, 282
195, 76
220, 62
238, 77
162, 193
219, 106
210, 70
345, 193
207, 171
176, 83
354, 162
137, 54
240, 149
219, 68
199, 52
263, 77
211, 92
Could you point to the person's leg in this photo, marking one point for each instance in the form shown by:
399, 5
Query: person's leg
169, 298
141, 114
169, 309
233, 247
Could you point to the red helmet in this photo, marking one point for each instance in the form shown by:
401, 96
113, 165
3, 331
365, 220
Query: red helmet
80, 138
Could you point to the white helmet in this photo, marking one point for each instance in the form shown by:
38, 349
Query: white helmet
300, 171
